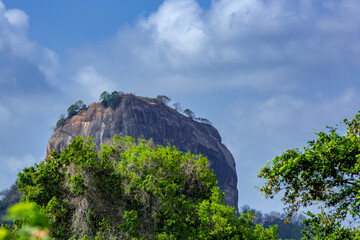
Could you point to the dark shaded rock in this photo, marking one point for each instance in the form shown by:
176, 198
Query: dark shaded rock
147, 118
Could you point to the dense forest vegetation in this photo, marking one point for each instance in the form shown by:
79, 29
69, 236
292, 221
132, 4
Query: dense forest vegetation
288, 230
129, 190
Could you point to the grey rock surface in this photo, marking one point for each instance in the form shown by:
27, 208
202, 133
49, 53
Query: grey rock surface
148, 118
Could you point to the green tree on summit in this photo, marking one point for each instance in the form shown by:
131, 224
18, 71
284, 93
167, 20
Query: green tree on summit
163, 99
110, 100
189, 113
74, 108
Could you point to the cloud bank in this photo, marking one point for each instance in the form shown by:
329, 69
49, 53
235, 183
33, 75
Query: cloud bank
260, 45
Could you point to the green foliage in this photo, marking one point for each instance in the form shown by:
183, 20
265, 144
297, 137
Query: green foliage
74, 109
61, 120
110, 100
325, 227
133, 190
163, 99
77, 183
30, 223
325, 172
189, 113
4, 234
203, 120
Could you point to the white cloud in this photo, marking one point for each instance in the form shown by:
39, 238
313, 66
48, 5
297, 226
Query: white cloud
13, 34
17, 18
94, 83
235, 44
246, 18
21, 59
178, 25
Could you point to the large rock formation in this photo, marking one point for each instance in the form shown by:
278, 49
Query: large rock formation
147, 118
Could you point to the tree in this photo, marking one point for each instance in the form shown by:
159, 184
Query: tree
104, 98
203, 120
74, 108
133, 190
110, 100
163, 99
178, 107
326, 172
61, 120
325, 227
189, 113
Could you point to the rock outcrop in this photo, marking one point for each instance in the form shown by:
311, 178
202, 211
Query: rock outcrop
147, 118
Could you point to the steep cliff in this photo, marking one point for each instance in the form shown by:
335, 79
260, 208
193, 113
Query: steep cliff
147, 118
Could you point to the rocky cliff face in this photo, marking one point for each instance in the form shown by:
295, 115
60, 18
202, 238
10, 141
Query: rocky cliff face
147, 118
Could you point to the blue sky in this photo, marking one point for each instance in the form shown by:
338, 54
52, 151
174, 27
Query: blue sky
267, 73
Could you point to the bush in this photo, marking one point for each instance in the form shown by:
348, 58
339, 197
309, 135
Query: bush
189, 113
74, 109
163, 99
110, 100
30, 223
61, 120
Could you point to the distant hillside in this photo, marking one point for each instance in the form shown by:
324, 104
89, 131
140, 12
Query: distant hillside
8, 198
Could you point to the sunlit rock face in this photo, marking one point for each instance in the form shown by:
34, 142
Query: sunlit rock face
148, 118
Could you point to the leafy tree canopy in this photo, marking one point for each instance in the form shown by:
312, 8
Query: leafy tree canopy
74, 108
61, 120
177, 107
189, 113
110, 100
163, 99
325, 172
203, 120
30, 223
130, 190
